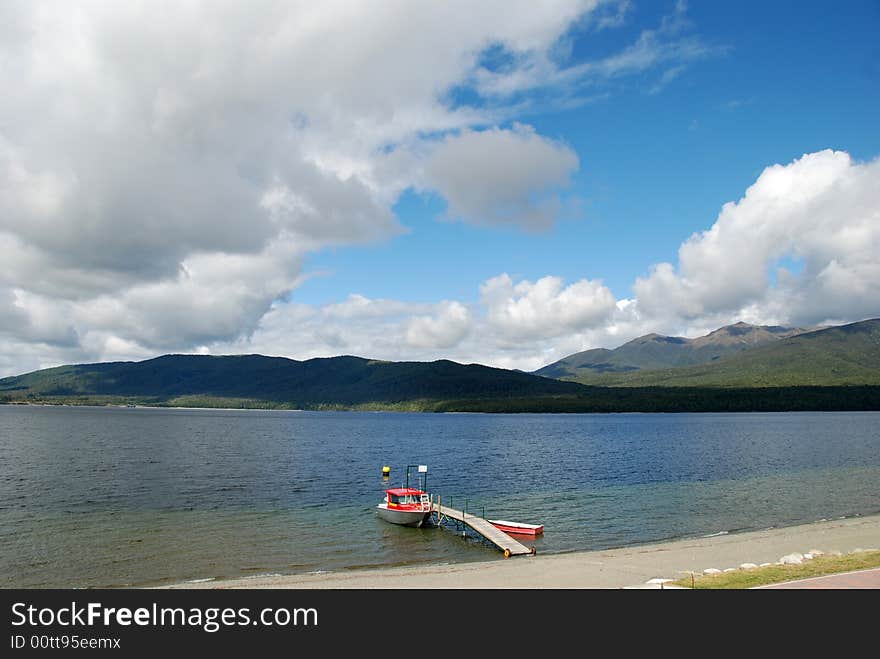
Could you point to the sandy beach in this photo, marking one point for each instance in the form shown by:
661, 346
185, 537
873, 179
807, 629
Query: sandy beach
615, 568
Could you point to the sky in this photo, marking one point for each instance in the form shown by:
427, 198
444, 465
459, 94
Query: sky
503, 183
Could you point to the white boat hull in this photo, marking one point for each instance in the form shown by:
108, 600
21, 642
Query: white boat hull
402, 517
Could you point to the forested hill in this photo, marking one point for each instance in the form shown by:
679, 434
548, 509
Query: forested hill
831, 369
342, 381
656, 351
736, 356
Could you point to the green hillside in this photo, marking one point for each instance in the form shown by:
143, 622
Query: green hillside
835, 356
832, 369
340, 381
655, 351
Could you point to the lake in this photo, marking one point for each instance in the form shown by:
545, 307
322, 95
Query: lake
105, 497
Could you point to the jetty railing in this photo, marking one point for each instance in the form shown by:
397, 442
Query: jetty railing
482, 527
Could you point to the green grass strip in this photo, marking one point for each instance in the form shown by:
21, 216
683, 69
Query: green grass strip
816, 567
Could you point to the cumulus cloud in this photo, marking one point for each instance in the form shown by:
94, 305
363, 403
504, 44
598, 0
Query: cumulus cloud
820, 210
545, 308
359, 325
214, 297
164, 168
799, 248
502, 176
360, 307
395, 330
443, 330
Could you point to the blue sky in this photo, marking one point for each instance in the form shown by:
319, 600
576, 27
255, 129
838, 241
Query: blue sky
505, 182
786, 79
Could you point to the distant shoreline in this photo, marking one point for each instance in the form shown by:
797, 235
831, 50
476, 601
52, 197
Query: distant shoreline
614, 568
599, 400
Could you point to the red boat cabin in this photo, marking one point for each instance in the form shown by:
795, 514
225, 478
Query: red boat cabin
403, 498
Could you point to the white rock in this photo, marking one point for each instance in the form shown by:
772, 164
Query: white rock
765, 564
792, 559
808, 556
817, 552
711, 570
747, 566
653, 586
730, 569
660, 580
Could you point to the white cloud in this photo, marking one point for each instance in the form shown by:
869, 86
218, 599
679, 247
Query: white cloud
668, 76
376, 328
614, 14
819, 212
822, 210
165, 167
502, 176
443, 330
545, 308
360, 307
672, 45
213, 297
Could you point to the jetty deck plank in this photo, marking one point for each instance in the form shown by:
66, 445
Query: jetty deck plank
496, 536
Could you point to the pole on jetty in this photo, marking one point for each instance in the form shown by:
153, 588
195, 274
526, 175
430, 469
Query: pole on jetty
422, 469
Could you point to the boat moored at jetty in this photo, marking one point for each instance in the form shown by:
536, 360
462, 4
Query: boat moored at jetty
413, 506
517, 528
407, 506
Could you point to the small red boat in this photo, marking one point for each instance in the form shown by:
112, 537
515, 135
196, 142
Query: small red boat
406, 506
517, 528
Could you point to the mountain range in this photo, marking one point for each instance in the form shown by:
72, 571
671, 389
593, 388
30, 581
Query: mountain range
739, 367
739, 355
655, 351
335, 381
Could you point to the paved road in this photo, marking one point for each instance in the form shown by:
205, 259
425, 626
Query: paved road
863, 579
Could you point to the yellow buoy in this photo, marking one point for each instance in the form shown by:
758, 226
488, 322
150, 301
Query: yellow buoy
386, 471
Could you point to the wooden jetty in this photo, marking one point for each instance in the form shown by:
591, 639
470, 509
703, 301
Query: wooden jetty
499, 538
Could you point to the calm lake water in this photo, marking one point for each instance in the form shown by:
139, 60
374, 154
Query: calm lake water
130, 497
